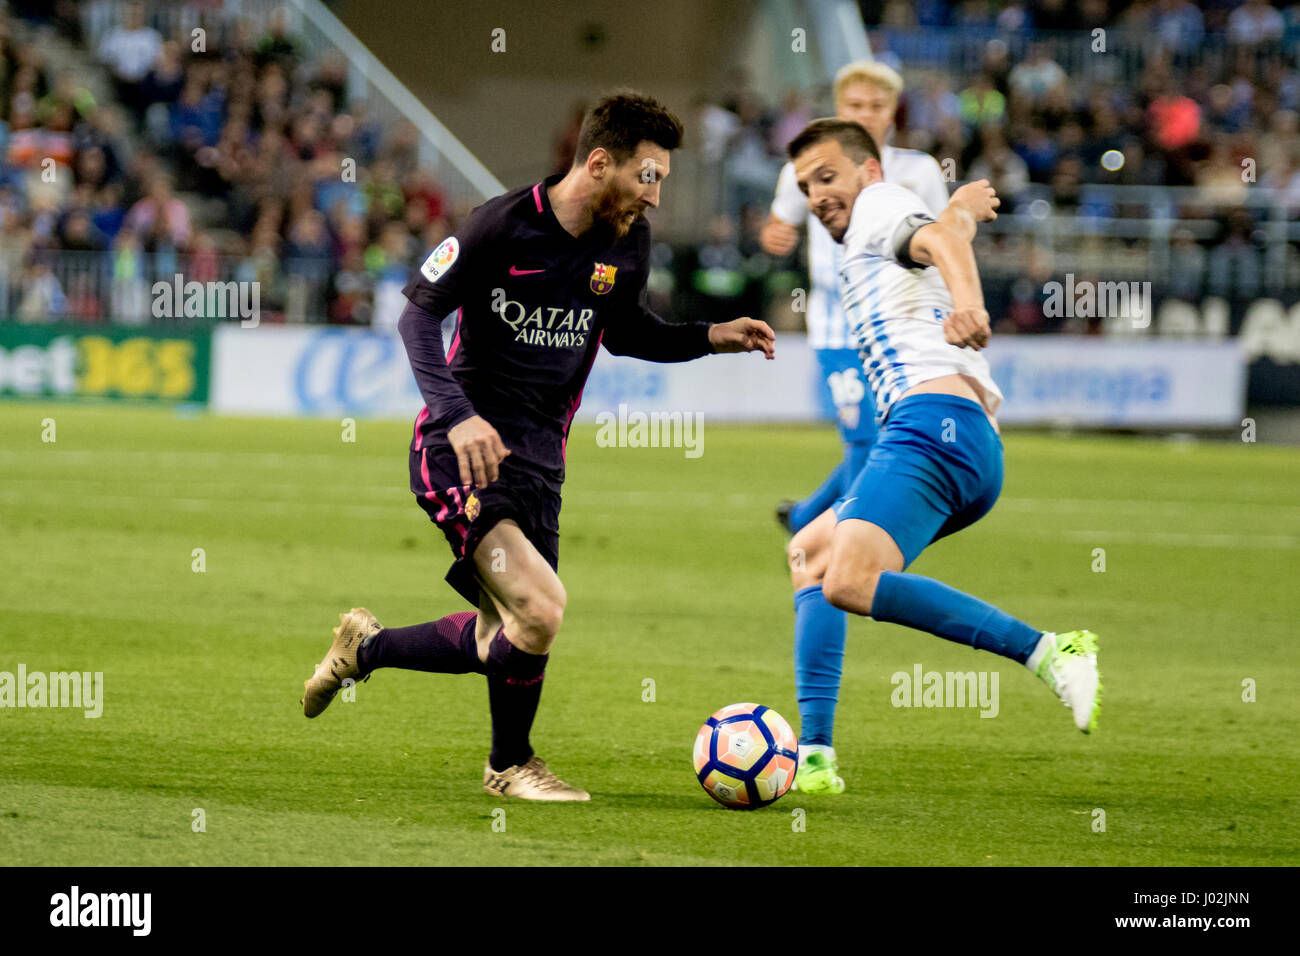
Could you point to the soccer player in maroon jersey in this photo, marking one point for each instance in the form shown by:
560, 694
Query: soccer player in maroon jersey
542, 277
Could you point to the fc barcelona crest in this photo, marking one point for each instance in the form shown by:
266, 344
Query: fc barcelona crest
602, 280
472, 506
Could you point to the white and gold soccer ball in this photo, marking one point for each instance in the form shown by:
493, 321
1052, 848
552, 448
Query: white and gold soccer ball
746, 756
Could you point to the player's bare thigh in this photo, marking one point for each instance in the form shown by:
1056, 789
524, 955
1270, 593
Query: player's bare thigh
809, 551
524, 591
859, 552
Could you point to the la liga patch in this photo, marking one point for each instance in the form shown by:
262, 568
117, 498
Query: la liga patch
441, 259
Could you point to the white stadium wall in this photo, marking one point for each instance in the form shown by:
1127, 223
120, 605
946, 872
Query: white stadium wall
1087, 382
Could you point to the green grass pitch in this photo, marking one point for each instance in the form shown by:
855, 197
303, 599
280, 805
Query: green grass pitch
675, 575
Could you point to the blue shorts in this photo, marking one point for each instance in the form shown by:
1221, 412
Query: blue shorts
848, 394
935, 468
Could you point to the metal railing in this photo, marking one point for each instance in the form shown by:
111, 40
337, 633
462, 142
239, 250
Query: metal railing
1135, 232
128, 286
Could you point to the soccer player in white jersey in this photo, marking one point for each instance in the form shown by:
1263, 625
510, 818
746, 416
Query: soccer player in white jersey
866, 93
911, 291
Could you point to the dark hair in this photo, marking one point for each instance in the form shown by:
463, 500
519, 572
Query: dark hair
853, 139
623, 120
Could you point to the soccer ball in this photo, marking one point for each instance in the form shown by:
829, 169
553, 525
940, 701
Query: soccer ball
745, 756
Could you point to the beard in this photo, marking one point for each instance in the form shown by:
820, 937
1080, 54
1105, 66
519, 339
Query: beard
613, 213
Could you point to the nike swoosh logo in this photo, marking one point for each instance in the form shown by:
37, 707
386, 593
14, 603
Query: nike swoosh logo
845, 504
516, 271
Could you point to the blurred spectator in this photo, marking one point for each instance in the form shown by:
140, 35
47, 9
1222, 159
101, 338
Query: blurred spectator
1004, 170
129, 51
102, 131
277, 46
160, 215
166, 77
1039, 153
796, 113
1235, 267
933, 106
716, 126
195, 119
981, 104
42, 298
353, 289
129, 293
1186, 267
78, 233
1178, 26
68, 93
1013, 18
1255, 22
750, 167
389, 262
82, 303
1035, 77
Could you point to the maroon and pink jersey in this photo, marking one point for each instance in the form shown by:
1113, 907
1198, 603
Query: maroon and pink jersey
535, 304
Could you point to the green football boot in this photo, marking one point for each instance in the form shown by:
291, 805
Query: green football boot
1067, 663
818, 773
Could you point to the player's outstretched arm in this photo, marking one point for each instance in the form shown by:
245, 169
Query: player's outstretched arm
743, 335
778, 237
973, 203
943, 246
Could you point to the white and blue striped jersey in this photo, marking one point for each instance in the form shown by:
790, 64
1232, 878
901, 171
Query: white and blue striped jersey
896, 311
827, 326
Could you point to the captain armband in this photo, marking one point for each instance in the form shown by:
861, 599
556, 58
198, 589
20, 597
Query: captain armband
903, 237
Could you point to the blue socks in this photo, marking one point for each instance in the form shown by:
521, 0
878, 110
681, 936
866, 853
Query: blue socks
819, 633
930, 605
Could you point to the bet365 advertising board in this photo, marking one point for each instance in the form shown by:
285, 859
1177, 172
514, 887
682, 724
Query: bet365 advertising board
141, 364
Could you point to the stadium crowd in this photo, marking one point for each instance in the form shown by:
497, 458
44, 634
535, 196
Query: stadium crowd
1214, 104
245, 159
283, 178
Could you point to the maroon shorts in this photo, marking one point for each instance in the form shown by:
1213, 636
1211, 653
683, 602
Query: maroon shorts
530, 500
